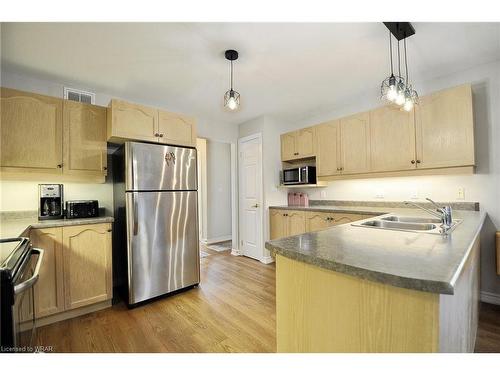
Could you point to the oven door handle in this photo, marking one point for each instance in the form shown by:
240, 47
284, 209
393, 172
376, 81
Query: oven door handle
33, 279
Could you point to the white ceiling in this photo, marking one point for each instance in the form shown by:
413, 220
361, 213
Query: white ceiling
285, 69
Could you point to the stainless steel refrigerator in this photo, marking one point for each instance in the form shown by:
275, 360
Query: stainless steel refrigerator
156, 226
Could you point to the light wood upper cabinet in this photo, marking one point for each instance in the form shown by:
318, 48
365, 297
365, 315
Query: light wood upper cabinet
392, 139
176, 129
298, 144
49, 289
85, 150
444, 129
288, 146
31, 132
328, 149
355, 143
87, 264
304, 144
131, 121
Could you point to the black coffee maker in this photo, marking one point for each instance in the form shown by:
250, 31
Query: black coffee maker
50, 201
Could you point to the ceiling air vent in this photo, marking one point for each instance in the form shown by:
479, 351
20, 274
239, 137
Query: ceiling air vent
79, 95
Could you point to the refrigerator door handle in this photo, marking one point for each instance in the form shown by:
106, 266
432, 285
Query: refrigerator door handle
136, 222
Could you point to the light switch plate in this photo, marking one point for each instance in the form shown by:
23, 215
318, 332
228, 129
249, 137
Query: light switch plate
323, 194
461, 193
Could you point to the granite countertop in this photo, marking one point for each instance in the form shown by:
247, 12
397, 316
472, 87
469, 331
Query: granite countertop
420, 261
19, 226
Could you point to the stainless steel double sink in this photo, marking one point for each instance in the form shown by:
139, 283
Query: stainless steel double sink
406, 224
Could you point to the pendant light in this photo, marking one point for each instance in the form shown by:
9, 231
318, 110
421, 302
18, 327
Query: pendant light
231, 97
397, 89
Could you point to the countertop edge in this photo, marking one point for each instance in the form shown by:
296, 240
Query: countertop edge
430, 286
346, 210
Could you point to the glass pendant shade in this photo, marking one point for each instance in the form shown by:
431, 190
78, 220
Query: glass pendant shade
231, 100
400, 95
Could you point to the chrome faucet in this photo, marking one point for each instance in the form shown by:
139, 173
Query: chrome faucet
444, 213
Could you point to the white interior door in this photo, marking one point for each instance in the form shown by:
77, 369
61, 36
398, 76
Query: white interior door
250, 192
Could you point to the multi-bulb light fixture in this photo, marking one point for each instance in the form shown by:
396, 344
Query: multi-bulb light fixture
396, 88
231, 97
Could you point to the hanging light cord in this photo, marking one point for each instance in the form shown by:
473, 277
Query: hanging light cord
399, 61
406, 63
390, 51
231, 75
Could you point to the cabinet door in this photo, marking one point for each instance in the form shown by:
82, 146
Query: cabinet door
288, 146
317, 221
278, 224
392, 139
49, 290
87, 264
355, 143
305, 142
176, 129
130, 121
30, 132
445, 129
296, 222
328, 148
340, 218
84, 129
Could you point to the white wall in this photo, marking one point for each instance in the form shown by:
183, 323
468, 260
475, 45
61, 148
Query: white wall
218, 161
483, 187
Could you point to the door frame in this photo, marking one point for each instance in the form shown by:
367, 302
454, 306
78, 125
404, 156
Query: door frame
242, 140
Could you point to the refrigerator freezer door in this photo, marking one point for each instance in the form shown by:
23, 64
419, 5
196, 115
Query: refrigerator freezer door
162, 248
159, 167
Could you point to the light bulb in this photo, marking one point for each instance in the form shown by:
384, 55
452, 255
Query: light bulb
408, 105
400, 98
392, 93
231, 103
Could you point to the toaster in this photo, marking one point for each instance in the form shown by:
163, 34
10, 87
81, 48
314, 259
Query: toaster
81, 209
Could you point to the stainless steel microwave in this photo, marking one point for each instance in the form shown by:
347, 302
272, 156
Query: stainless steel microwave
299, 175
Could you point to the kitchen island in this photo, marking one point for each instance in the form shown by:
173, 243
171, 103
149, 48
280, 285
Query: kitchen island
358, 289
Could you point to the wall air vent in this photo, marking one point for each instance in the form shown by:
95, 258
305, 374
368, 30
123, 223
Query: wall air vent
79, 95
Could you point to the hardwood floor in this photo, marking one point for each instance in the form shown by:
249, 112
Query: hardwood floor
233, 310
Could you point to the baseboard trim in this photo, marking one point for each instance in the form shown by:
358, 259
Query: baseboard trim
267, 260
211, 241
492, 298
236, 252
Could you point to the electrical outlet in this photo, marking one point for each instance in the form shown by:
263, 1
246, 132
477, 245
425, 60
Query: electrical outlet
461, 193
379, 194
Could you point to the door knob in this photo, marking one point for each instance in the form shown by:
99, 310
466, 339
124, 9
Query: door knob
255, 205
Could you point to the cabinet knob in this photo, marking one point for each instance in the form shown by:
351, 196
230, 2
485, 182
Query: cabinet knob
161, 135
413, 161
104, 168
418, 161
341, 169
157, 134
59, 165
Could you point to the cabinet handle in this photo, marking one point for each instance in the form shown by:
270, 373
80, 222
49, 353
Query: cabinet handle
104, 168
110, 230
59, 165
418, 161
413, 161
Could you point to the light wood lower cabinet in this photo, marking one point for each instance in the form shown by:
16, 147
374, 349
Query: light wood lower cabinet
87, 264
76, 269
284, 223
49, 289
30, 132
84, 148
